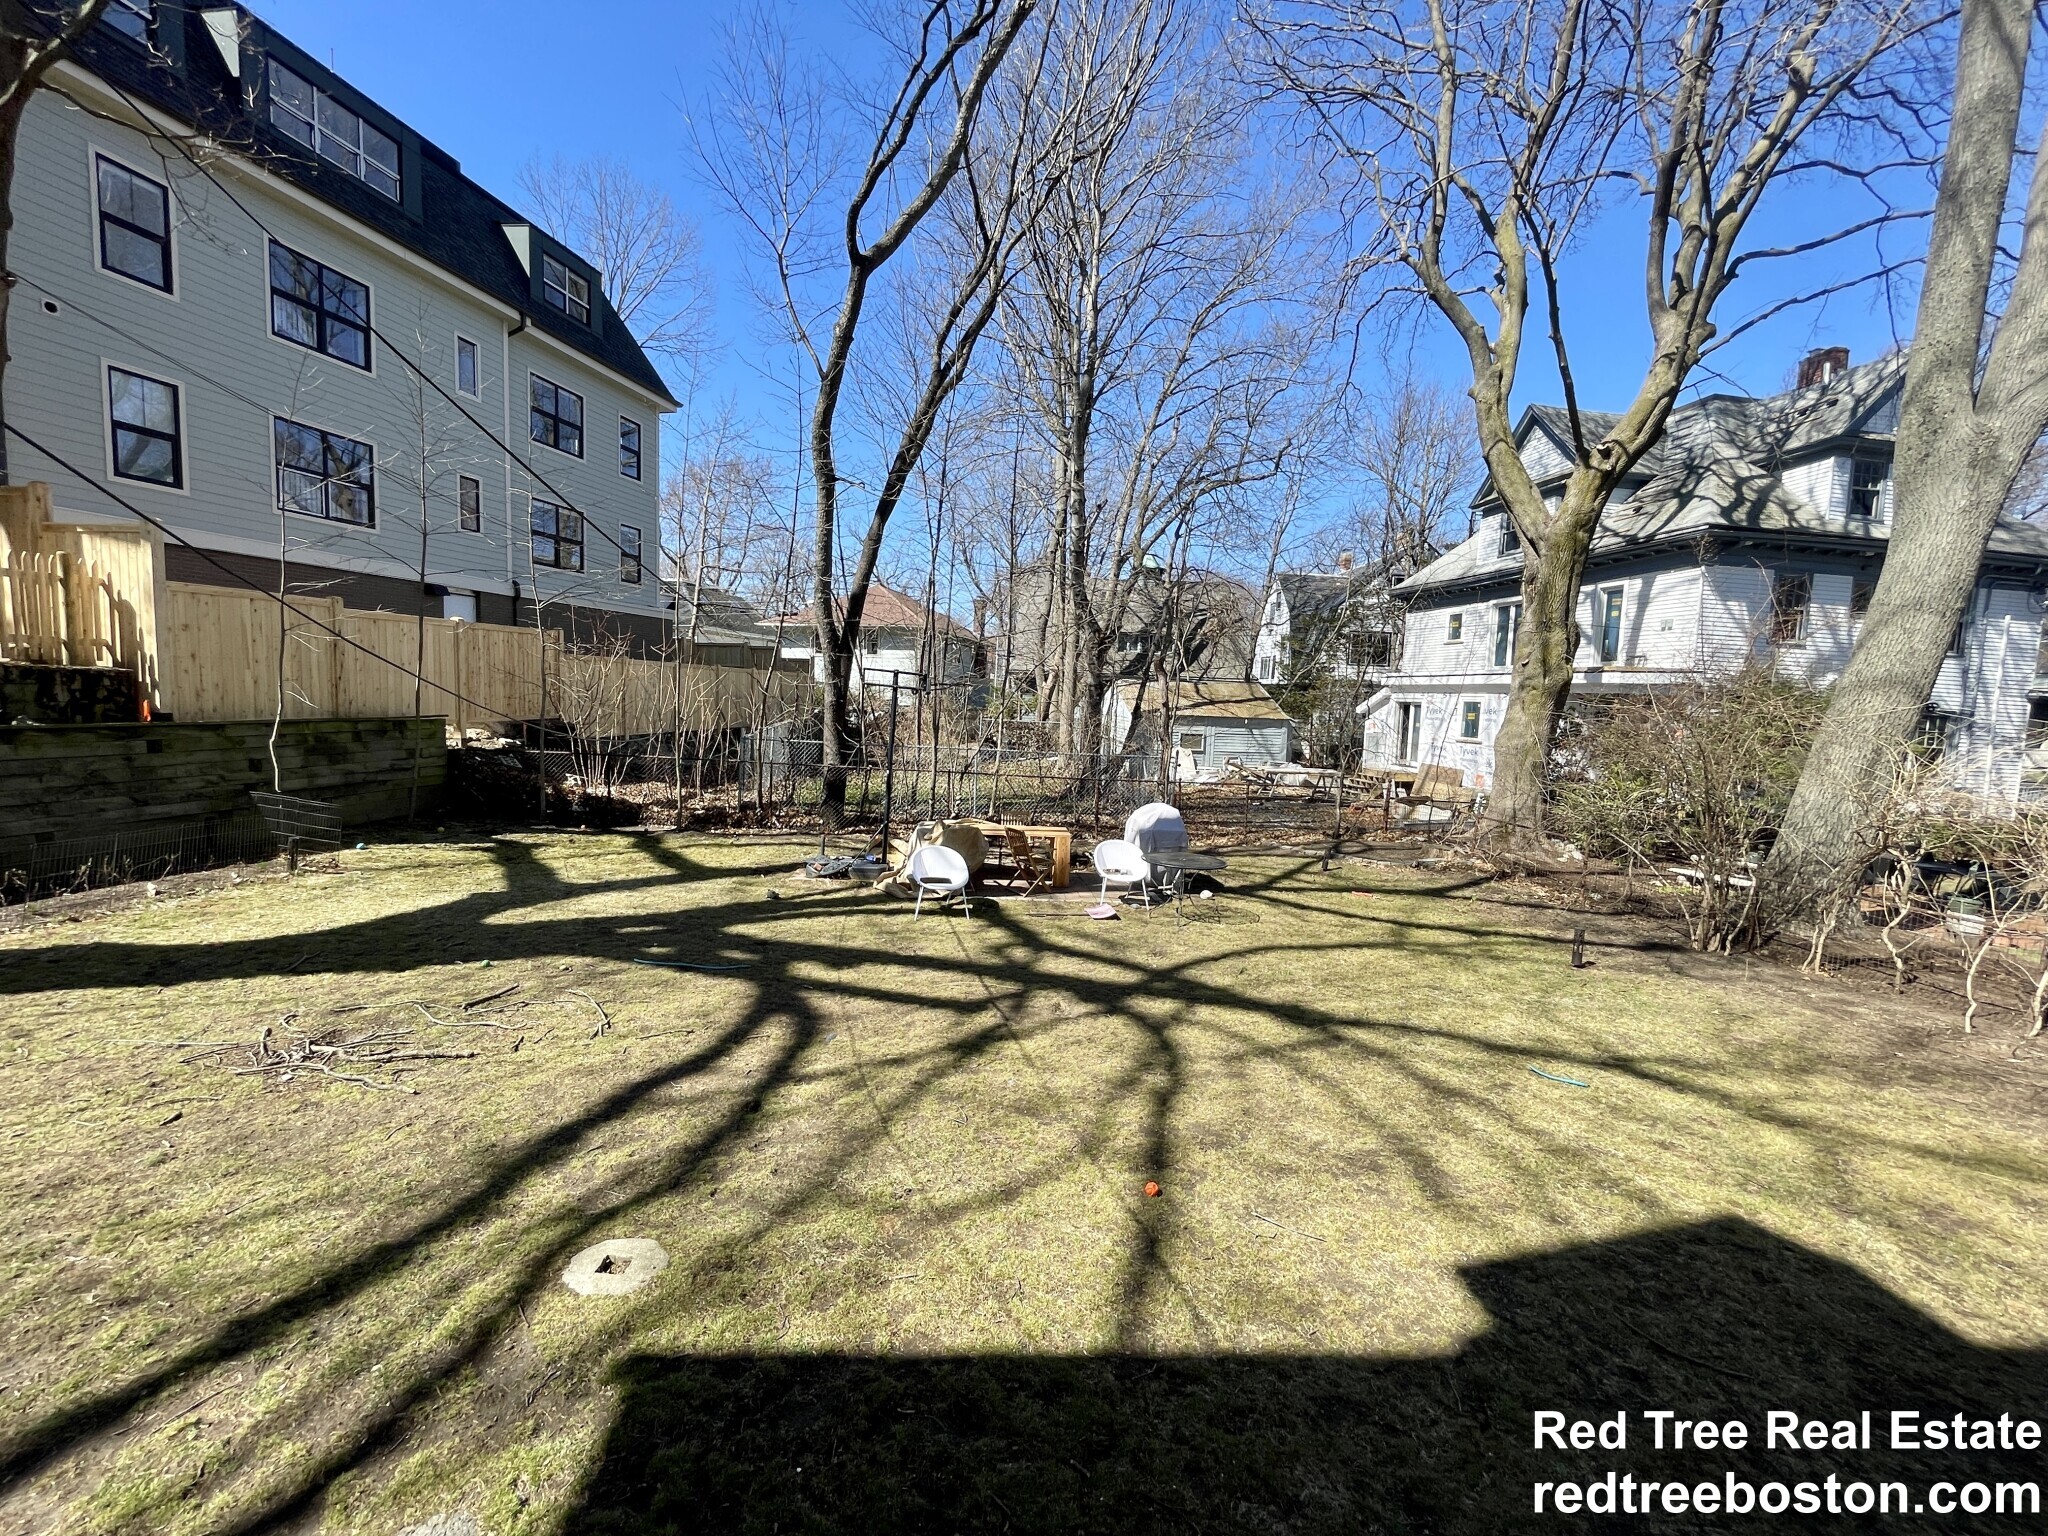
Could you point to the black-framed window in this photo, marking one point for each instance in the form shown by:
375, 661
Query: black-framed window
315, 306
135, 223
1867, 474
557, 416
323, 474
134, 17
469, 502
1610, 626
557, 536
629, 554
629, 448
1468, 721
332, 131
1791, 600
466, 371
148, 440
568, 291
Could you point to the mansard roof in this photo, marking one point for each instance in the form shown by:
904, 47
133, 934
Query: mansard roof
204, 65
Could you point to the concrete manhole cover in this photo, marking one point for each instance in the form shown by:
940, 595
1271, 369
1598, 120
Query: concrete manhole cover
615, 1266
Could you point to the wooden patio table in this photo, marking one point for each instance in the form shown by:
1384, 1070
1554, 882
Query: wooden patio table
1061, 838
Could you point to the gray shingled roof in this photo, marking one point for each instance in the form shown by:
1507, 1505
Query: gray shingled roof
723, 618
1715, 473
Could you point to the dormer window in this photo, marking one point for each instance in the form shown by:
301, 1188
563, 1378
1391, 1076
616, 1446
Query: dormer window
134, 17
1510, 539
332, 131
567, 291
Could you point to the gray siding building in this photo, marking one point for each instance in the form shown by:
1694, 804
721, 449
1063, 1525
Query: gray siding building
258, 307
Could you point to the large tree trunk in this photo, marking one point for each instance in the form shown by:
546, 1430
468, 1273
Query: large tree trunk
1513, 822
1959, 449
1541, 683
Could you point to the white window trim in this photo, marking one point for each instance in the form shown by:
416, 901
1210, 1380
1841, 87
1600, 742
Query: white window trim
300, 348
94, 153
476, 347
1454, 627
370, 529
582, 399
1514, 634
1805, 610
478, 531
569, 275
1600, 596
184, 425
1477, 711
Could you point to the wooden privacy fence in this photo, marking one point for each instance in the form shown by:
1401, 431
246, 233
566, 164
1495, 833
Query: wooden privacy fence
77, 594
224, 649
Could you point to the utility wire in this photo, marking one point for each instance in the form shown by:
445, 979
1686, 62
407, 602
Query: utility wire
432, 383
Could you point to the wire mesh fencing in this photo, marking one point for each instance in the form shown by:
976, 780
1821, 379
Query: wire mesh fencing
119, 855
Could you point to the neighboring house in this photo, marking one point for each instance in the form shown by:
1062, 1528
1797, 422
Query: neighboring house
1326, 642
1753, 531
1213, 721
226, 347
1343, 623
721, 628
900, 640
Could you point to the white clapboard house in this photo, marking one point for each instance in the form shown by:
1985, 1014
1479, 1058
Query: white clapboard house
1753, 530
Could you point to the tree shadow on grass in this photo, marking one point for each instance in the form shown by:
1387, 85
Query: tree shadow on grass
797, 983
1719, 1320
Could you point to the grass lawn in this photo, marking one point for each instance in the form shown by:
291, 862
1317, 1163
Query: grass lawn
899, 1170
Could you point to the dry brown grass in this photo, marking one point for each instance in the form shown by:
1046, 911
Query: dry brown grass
899, 1170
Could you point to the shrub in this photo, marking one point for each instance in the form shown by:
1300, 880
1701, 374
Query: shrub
1695, 776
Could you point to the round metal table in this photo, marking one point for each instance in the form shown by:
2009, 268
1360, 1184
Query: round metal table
1183, 862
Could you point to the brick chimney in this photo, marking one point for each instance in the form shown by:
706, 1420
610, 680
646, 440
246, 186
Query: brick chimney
1821, 366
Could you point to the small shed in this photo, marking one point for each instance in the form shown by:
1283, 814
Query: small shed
1212, 722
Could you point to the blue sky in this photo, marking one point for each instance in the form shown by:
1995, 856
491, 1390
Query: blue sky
499, 83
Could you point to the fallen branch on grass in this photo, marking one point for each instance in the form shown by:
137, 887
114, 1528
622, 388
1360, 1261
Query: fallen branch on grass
329, 1054
604, 1019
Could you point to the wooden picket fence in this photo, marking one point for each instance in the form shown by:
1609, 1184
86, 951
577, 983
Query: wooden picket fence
224, 648
77, 594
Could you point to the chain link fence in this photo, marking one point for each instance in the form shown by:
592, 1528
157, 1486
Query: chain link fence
944, 752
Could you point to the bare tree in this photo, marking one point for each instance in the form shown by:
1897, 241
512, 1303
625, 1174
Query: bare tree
1975, 405
648, 252
777, 168
1479, 137
30, 45
1145, 331
1411, 445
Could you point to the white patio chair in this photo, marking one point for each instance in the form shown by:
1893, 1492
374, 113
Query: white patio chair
1120, 863
939, 870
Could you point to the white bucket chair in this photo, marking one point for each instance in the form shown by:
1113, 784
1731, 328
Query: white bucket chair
938, 870
1120, 863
